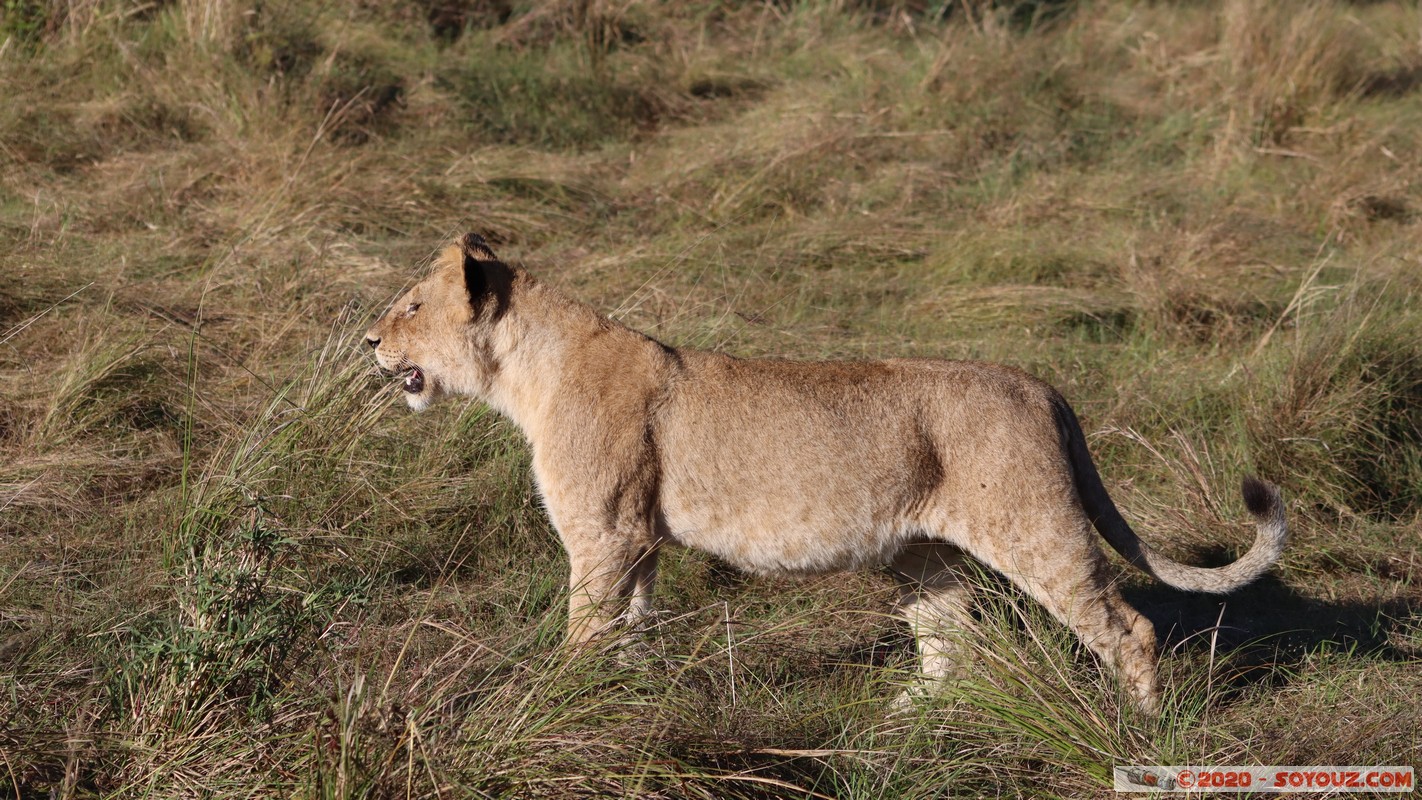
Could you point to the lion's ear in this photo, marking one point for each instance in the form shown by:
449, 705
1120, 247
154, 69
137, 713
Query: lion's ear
477, 256
486, 278
476, 247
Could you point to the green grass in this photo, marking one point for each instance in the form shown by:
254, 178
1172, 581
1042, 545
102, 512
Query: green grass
232, 565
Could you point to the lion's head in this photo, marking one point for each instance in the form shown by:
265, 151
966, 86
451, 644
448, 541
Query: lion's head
437, 337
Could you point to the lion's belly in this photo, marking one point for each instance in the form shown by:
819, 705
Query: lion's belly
764, 524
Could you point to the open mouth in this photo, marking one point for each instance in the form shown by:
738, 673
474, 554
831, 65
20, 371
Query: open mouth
414, 381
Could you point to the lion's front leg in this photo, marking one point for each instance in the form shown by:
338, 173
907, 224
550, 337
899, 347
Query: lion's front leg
612, 562
608, 581
605, 518
592, 595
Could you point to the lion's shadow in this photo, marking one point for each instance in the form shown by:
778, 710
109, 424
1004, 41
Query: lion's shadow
1266, 630
1260, 634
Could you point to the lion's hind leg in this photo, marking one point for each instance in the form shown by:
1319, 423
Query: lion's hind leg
1119, 635
1063, 568
936, 601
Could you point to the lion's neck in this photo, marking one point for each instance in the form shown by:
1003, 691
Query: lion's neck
535, 349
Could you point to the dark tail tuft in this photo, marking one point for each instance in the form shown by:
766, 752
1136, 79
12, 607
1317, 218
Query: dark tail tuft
1262, 499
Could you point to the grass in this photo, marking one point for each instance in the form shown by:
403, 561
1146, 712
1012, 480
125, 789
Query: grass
231, 565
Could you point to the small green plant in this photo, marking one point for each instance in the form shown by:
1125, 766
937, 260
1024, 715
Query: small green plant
239, 631
25, 20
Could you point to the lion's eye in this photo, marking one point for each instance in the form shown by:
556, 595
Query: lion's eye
411, 309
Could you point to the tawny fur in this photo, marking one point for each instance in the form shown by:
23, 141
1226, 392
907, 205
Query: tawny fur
792, 467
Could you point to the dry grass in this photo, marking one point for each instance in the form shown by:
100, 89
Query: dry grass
229, 567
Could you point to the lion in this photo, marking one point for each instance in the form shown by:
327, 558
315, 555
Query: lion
776, 466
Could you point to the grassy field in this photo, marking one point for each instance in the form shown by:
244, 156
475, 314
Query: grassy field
233, 565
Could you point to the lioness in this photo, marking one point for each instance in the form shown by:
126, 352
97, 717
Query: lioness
791, 467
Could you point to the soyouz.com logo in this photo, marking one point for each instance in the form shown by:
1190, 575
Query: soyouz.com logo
1276, 780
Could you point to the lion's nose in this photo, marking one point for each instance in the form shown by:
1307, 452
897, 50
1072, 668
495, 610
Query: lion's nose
373, 341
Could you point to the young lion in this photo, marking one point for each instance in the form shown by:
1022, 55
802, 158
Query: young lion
791, 467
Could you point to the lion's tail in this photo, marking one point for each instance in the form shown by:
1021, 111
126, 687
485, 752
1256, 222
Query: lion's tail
1263, 500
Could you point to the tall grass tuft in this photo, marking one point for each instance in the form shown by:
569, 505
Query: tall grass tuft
1341, 419
251, 603
1286, 63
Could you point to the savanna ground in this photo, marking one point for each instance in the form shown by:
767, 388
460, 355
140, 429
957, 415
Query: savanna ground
233, 565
